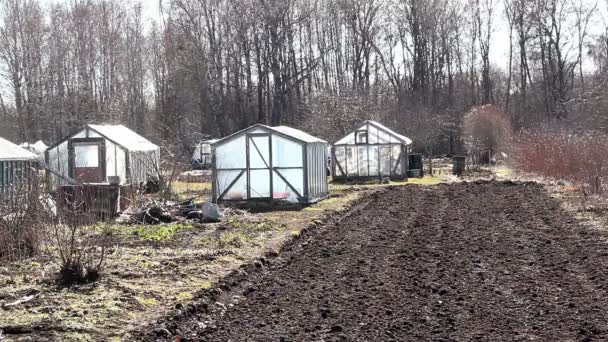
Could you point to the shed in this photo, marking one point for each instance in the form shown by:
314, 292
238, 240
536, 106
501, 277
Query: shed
201, 157
371, 151
103, 154
270, 163
14, 165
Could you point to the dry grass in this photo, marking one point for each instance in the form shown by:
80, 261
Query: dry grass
150, 270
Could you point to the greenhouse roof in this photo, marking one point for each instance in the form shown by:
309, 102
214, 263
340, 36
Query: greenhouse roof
282, 130
125, 137
350, 138
403, 138
10, 151
296, 133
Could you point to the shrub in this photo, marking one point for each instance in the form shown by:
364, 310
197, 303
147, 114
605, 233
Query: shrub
78, 239
581, 158
486, 129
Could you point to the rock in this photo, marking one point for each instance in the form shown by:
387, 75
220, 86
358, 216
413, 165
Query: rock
211, 212
195, 215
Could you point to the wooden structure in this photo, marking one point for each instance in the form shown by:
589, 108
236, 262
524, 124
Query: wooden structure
103, 155
270, 164
371, 151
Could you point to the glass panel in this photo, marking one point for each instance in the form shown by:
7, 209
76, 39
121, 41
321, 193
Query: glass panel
286, 153
281, 191
295, 177
238, 191
347, 140
383, 138
362, 155
232, 154
260, 183
395, 156
373, 160
385, 161
340, 153
351, 155
372, 135
362, 137
259, 152
86, 155
110, 159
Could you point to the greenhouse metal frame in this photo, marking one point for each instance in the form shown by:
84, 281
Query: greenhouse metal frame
269, 164
371, 151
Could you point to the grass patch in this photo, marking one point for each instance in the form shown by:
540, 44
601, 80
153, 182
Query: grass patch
160, 232
147, 302
184, 296
232, 240
181, 187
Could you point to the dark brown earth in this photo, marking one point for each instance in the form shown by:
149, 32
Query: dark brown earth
461, 262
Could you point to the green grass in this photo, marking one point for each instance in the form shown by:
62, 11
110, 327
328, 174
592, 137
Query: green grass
147, 302
232, 239
159, 232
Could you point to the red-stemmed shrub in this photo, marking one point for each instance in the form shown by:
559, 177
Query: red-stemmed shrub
581, 158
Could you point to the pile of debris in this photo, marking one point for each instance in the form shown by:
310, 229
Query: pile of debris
167, 212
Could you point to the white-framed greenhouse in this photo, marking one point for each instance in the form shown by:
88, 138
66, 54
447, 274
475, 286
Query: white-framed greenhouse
201, 157
371, 151
270, 163
103, 154
15, 165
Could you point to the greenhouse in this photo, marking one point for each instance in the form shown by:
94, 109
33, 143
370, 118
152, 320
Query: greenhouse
371, 151
270, 163
201, 157
15, 165
103, 154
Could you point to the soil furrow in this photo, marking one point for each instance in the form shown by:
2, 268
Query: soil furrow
462, 262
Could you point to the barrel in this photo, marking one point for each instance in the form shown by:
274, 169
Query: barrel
415, 163
459, 165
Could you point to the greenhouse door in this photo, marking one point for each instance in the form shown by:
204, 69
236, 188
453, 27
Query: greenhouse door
88, 160
259, 164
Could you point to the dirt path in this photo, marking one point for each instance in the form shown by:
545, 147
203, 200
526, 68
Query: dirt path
461, 262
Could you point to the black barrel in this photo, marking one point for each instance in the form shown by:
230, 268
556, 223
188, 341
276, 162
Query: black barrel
459, 165
415, 163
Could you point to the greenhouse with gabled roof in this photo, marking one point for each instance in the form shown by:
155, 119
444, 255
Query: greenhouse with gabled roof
270, 163
371, 151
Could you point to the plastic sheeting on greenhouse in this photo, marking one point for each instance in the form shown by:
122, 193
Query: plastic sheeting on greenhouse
270, 163
372, 150
100, 152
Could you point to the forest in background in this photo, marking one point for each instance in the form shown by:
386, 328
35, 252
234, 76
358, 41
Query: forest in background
206, 68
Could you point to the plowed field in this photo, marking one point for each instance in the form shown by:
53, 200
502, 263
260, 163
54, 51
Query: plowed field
461, 262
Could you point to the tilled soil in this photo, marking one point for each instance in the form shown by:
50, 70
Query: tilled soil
461, 262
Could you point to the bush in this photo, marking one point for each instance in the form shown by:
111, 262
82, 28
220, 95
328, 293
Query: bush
80, 242
581, 158
486, 129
